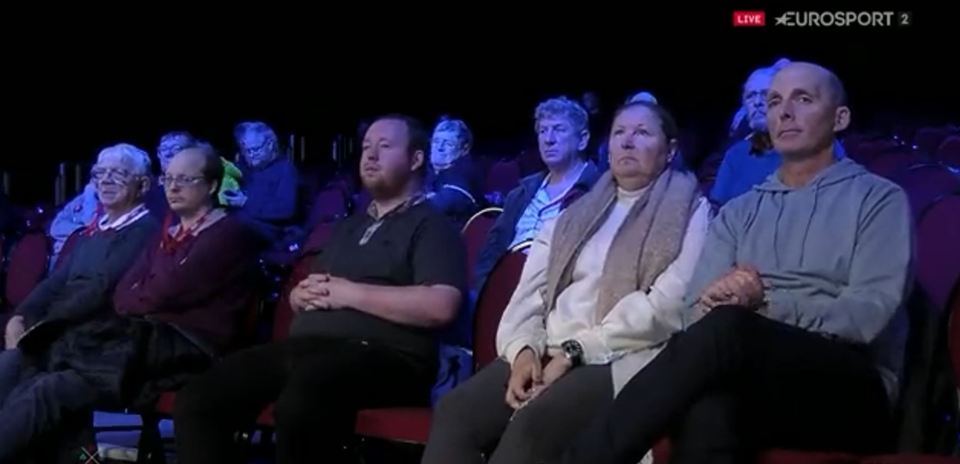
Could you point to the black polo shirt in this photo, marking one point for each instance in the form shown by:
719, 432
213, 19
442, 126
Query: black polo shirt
412, 245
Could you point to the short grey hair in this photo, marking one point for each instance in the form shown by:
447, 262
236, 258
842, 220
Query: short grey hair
458, 126
565, 108
256, 127
127, 153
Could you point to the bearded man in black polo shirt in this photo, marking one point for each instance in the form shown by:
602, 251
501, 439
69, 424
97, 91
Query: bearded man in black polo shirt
364, 333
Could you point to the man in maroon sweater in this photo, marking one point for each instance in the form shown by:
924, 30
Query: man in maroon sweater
198, 277
179, 305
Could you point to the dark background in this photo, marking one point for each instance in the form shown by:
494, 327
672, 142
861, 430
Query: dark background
73, 87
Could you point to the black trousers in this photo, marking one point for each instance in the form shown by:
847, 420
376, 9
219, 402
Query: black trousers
737, 382
317, 385
474, 419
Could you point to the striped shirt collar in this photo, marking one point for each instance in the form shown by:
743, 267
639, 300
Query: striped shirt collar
123, 221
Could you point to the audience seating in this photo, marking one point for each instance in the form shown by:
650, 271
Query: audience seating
925, 183
27, 266
938, 255
330, 204
67, 248
892, 162
412, 425
928, 139
475, 235
949, 151
503, 176
864, 152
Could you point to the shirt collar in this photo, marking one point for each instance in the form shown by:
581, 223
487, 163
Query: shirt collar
123, 221
410, 202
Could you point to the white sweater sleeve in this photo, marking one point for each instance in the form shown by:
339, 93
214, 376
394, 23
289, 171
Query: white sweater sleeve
644, 319
522, 324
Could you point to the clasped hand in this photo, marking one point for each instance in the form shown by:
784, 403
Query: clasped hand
528, 378
324, 291
740, 287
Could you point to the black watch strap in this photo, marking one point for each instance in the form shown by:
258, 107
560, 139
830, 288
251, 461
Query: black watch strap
573, 351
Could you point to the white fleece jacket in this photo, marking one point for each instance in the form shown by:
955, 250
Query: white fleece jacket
632, 333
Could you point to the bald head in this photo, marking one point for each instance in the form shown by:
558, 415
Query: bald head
806, 106
826, 80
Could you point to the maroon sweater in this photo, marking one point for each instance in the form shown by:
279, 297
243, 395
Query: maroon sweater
203, 285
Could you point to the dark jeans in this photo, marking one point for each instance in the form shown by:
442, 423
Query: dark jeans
35, 404
45, 405
737, 382
317, 385
474, 419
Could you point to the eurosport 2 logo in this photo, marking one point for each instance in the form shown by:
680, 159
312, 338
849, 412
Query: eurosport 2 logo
825, 19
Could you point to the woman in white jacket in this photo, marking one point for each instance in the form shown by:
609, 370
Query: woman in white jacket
600, 295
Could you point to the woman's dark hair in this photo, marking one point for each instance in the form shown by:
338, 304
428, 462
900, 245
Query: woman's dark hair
667, 124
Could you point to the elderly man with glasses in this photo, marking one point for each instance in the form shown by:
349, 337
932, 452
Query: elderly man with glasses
269, 197
77, 292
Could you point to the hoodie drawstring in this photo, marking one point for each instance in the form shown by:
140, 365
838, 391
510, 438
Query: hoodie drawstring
776, 229
806, 230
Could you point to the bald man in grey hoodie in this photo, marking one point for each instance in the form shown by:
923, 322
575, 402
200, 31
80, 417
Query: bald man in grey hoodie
797, 301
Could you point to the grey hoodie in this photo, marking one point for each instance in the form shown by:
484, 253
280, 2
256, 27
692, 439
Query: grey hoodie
835, 256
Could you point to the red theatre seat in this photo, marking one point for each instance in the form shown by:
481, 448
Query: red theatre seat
661, 455
412, 425
503, 177
26, 267
949, 151
67, 248
938, 256
474, 235
909, 459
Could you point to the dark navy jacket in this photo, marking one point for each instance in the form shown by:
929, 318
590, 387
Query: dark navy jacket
503, 231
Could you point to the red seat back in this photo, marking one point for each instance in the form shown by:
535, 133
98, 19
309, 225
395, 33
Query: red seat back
894, 162
925, 183
928, 139
329, 205
282, 312
68, 246
503, 177
865, 152
953, 340
27, 266
938, 256
949, 151
492, 301
318, 237
475, 235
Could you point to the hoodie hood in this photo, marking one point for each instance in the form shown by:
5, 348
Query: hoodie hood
841, 170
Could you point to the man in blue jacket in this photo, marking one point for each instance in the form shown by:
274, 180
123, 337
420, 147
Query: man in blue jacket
799, 295
562, 136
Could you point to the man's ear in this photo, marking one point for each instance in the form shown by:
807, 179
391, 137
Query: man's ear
145, 185
584, 139
841, 119
214, 187
417, 160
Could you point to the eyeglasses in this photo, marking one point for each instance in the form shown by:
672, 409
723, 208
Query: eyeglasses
117, 175
179, 181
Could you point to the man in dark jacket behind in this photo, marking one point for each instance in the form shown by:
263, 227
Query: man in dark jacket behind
452, 186
562, 136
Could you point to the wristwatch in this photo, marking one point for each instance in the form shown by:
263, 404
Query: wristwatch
573, 351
